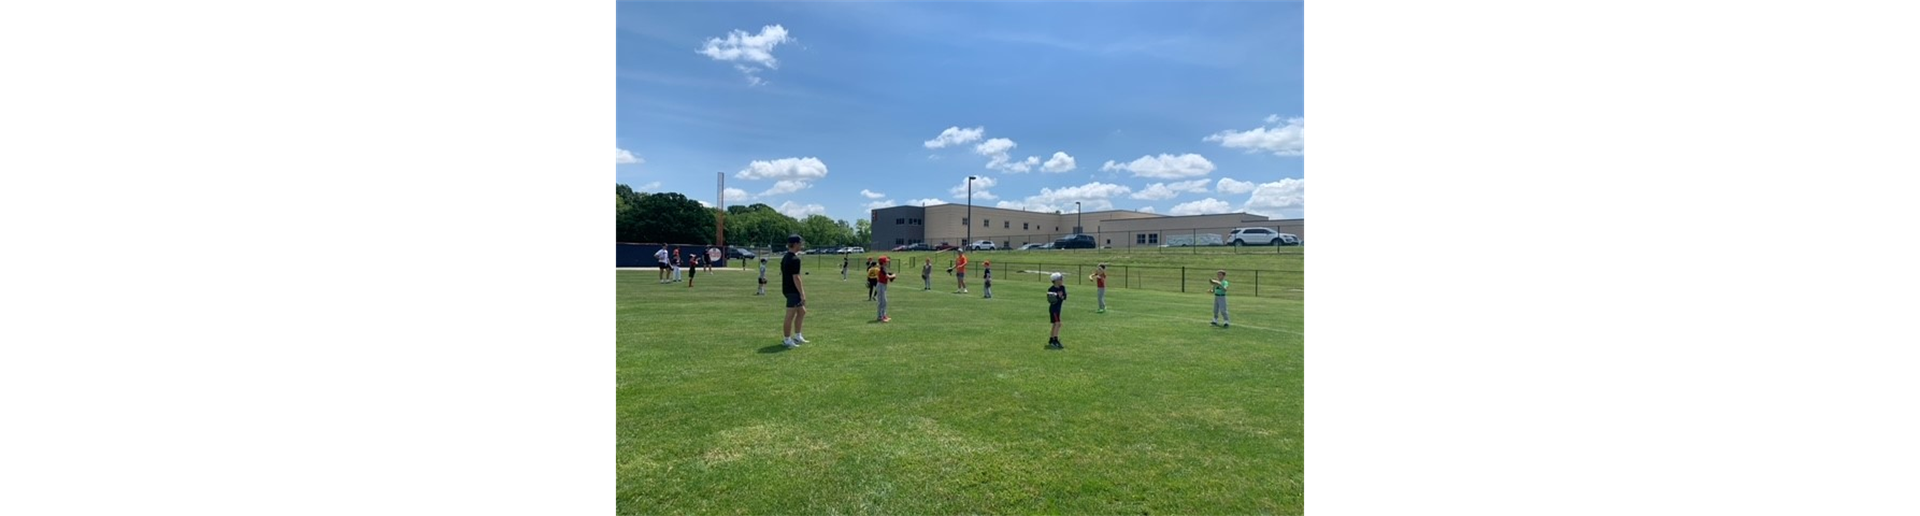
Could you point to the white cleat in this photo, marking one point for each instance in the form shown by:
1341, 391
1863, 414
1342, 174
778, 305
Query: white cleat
799, 339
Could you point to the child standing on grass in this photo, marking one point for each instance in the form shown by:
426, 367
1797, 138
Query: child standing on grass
843, 267
1056, 296
959, 269
1099, 278
693, 269
884, 278
873, 277
986, 277
1219, 282
763, 277
926, 273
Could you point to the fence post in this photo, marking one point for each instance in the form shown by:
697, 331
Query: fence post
1183, 279
1256, 283
1076, 274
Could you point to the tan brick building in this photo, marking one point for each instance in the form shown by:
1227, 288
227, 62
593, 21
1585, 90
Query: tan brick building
949, 223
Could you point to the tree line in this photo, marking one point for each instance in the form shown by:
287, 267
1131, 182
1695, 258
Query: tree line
670, 217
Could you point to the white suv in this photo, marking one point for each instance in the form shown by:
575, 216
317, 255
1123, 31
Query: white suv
983, 245
1259, 236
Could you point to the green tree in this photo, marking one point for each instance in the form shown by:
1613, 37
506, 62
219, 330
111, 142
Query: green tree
821, 230
668, 217
863, 232
761, 228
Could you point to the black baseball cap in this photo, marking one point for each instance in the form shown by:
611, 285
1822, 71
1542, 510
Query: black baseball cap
793, 238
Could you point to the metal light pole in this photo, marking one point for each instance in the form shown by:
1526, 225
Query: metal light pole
1076, 218
969, 240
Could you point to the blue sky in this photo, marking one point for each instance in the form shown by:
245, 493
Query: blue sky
835, 108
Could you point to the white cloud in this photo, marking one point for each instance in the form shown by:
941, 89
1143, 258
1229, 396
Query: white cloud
1061, 162
1090, 191
1023, 166
1286, 198
1205, 206
1163, 191
649, 187
1195, 186
881, 204
996, 151
1165, 166
926, 202
1229, 186
1093, 196
980, 187
785, 168
1148, 209
955, 136
735, 194
800, 211
748, 53
1156, 192
704, 204
623, 157
1281, 140
871, 194
785, 186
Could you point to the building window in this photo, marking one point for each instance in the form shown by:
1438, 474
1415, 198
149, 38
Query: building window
899, 222
899, 241
1006, 225
1140, 239
964, 221
986, 223
1056, 229
1153, 238
1023, 226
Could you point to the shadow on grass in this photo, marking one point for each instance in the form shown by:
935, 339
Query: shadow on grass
776, 348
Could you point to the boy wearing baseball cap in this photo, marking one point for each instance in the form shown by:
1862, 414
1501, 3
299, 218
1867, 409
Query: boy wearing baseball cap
1219, 282
1056, 295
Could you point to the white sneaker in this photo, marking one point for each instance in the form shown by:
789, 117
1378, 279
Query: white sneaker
800, 339
789, 344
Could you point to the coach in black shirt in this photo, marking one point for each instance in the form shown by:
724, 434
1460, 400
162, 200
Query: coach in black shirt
796, 298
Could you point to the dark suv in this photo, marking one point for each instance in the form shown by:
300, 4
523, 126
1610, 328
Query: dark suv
1075, 241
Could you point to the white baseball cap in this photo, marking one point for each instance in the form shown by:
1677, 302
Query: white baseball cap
1057, 276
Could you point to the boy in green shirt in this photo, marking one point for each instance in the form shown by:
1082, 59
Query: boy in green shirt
1220, 300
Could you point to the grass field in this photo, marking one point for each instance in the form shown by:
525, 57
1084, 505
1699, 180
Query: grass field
954, 407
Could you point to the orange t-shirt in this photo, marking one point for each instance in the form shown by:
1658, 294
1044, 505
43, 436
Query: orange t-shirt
960, 266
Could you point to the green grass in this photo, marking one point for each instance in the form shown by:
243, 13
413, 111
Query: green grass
953, 408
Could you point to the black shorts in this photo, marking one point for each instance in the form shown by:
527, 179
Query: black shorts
1055, 314
663, 266
872, 282
763, 281
794, 301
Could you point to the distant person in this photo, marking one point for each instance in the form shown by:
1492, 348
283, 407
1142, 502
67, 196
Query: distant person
926, 273
1056, 296
660, 259
873, 277
713, 255
693, 268
763, 277
1099, 278
844, 263
1219, 282
959, 269
884, 278
986, 278
676, 264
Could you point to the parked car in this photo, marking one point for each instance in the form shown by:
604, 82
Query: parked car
1289, 239
1076, 241
1032, 246
918, 246
1048, 245
740, 253
983, 245
943, 246
1255, 236
853, 250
